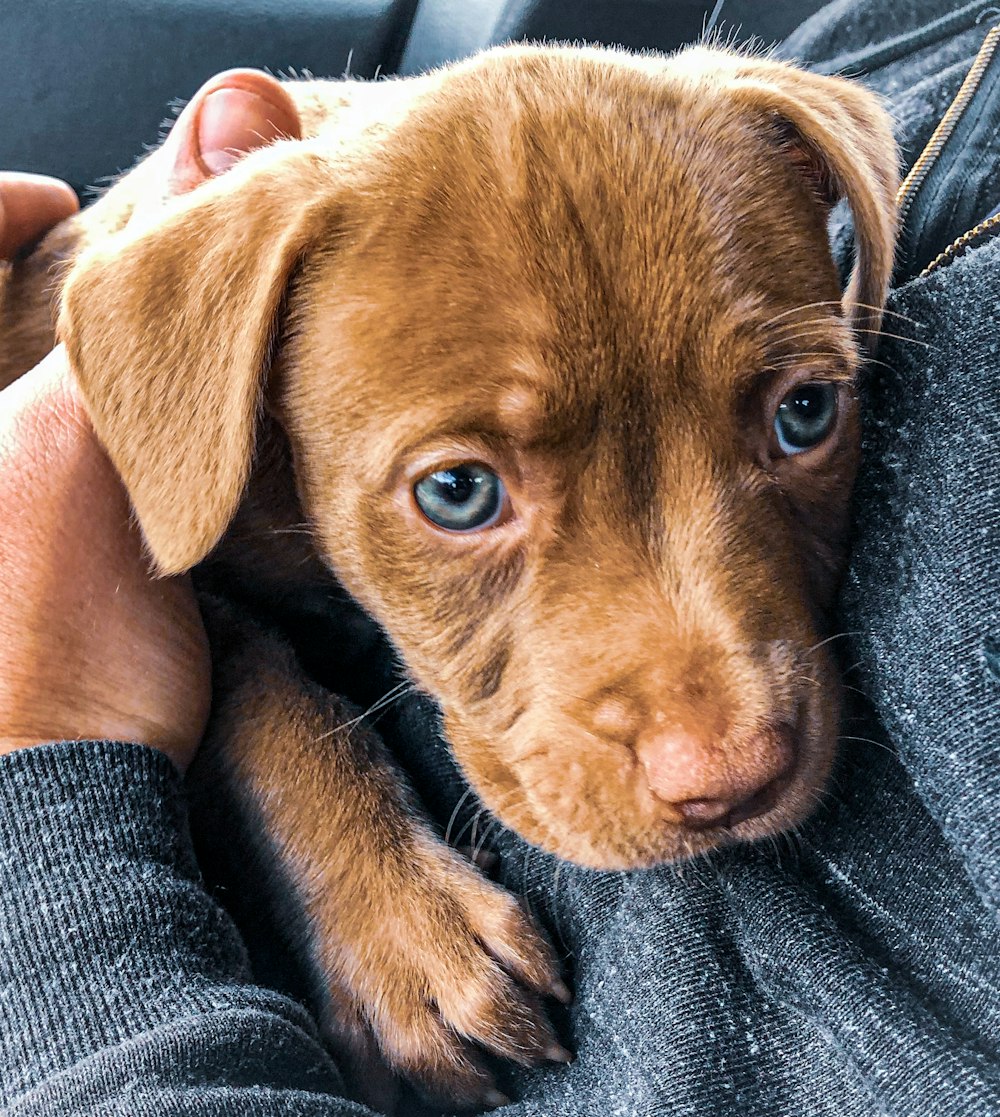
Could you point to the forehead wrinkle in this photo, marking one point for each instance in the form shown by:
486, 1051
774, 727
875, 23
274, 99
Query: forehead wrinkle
612, 382
625, 328
599, 411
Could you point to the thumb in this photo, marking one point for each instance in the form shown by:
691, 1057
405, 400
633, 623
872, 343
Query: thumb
29, 206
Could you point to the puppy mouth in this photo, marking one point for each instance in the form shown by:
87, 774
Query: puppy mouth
601, 837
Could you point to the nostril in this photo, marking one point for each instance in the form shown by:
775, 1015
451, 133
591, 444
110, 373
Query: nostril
759, 803
699, 814
702, 790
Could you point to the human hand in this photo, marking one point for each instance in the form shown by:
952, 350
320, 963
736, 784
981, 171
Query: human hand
92, 646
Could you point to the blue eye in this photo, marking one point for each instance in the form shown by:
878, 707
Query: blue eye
805, 417
466, 497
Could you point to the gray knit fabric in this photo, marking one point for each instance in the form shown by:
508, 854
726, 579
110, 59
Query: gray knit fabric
852, 970
124, 988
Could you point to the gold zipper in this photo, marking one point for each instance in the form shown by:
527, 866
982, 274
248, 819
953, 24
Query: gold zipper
961, 244
942, 133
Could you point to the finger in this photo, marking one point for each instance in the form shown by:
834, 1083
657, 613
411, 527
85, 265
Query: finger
29, 206
232, 114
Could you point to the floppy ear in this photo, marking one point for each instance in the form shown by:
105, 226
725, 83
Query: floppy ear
169, 329
839, 137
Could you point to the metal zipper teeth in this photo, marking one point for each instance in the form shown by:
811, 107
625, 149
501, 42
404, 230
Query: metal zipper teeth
963, 242
947, 125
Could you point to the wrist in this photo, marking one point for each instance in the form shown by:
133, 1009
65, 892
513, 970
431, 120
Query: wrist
91, 645
140, 691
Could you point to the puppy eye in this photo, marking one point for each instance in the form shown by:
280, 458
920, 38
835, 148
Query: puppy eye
805, 417
466, 497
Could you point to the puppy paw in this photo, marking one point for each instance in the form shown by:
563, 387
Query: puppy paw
442, 966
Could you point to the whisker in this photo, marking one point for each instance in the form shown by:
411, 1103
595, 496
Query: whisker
798, 324
821, 320
892, 314
474, 835
800, 309
454, 815
830, 639
397, 692
493, 824
806, 679
841, 302
868, 741
847, 686
796, 361
458, 836
798, 355
785, 338
529, 907
473, 823
898, 337
880, 364
299, 529
556, 920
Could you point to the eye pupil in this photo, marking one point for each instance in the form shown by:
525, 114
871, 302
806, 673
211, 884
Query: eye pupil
462, 498
805, 417
806, 402
456, 485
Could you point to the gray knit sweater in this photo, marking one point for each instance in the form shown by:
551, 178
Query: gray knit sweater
851, 971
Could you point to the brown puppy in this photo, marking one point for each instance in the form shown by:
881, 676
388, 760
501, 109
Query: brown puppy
554, 362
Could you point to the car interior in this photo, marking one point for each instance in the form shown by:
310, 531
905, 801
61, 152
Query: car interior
99, 82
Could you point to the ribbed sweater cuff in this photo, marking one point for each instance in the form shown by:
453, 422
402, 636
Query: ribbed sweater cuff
105, 928
56, 803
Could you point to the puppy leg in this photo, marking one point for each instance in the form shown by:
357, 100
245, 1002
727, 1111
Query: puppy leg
406, 940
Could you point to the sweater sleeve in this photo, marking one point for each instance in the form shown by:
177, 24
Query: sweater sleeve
124, 988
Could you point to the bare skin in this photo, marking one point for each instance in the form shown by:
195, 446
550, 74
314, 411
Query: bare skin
92, 646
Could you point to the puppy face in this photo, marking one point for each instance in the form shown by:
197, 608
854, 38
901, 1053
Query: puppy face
569, 387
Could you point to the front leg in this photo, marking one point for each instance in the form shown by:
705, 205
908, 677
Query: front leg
406, 941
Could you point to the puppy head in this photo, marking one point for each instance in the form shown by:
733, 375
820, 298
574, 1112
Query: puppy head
568, 380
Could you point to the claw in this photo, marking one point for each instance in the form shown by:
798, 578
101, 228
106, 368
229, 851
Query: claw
556, 1053
560, 990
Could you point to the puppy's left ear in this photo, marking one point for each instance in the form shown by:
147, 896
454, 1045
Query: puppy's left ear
839, 137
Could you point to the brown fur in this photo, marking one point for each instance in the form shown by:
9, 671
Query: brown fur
598, 274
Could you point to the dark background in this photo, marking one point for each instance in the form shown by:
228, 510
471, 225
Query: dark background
87, 85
